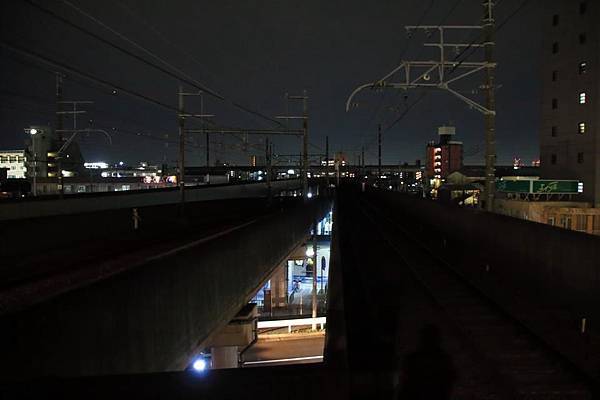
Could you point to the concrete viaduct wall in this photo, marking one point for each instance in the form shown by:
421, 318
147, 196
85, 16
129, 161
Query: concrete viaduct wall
71, 204
68, 222
546, 276
150, 318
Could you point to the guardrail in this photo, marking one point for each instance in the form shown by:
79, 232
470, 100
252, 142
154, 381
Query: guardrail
282, 323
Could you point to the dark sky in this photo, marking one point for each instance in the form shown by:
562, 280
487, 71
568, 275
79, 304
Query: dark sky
255, 51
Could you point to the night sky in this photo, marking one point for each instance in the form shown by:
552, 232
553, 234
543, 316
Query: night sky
253, 52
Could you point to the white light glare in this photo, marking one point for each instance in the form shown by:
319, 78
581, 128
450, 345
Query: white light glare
309, 195
199, 365
33, 131
310, 252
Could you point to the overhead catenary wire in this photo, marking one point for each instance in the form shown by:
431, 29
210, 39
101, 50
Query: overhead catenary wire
460, 62
402, 53
34, 108
73, 70
160, 35
184, 79
408, 108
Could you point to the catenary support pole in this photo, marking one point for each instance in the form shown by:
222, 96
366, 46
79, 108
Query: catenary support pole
268, 165
490, 99
379, 153
327, 163
314, 275
181, 151
305, 146
59, 130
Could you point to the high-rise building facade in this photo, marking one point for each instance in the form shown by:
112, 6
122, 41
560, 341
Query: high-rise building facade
570, 117
445, 156
14, 162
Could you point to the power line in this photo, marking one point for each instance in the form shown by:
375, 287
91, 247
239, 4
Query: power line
478, 38
141, 48
184, 79
405, 49
443, 21
473, 49
119, 48
159, 34
420, 98
111, 128
73, 70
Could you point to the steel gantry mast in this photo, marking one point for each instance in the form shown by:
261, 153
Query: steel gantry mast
304, 118
439, 74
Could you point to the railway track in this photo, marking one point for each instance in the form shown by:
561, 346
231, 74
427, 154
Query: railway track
512, 362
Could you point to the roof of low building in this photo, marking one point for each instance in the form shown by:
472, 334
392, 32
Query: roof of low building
477, 171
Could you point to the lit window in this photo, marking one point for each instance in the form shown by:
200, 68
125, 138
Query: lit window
582, 68
581, 128
582, 98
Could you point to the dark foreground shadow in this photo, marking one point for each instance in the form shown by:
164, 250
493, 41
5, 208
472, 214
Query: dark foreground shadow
428, 373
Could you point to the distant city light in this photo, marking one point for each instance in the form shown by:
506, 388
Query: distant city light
290, 172
33, 131
310, 252
121, 163
309, 195
96, 165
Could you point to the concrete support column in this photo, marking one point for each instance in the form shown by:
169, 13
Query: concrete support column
224, 357
279, 282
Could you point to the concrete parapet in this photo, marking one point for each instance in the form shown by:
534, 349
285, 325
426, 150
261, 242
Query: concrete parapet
151, 318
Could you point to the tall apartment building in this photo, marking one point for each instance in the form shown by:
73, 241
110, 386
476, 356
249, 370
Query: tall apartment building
14, 162
445, 156
570, 123
42, 154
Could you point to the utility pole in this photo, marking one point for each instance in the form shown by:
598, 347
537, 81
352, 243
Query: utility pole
327, 163
490, 104
181, 151
304, 132
379, 153
183, 131
207, 138
268, 171
363, 160
59, 128
314, 274
59, 106
305, 146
